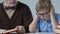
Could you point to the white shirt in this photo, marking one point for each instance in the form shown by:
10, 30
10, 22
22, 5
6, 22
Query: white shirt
10, 13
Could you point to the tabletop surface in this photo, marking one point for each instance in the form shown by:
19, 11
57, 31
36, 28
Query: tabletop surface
32, 33
41, 33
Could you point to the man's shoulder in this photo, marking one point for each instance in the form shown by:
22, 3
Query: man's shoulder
1, 4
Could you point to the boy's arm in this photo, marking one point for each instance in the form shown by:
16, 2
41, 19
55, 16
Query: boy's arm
32, 26
53, 20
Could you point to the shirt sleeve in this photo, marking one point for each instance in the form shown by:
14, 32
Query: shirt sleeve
27, 18
38, 24
57, 17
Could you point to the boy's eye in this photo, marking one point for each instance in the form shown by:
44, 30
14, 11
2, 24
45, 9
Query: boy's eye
42, 14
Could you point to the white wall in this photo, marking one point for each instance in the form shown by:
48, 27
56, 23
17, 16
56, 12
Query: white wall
56, 4
32, 4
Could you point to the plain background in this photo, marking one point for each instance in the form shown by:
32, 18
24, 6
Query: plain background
32, 5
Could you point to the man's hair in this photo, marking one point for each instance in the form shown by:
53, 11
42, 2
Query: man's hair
43, 4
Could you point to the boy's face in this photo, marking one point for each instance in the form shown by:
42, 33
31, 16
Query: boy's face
43, 14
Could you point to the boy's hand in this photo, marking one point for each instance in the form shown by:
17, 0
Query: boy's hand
52, 10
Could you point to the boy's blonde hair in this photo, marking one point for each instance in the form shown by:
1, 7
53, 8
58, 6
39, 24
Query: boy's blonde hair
43, 4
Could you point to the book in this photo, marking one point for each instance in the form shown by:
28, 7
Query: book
2, 30
58, 26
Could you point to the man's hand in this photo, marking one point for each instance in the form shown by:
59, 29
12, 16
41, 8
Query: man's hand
18, 29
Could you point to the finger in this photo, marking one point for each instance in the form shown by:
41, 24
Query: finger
8, 31
52, 8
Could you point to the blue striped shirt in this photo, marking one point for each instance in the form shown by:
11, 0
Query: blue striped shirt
46, 26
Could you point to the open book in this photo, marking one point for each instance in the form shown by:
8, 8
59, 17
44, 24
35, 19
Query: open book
58, 26
2, 30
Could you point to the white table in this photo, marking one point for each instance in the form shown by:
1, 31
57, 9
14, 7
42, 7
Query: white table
41, 33
1, 30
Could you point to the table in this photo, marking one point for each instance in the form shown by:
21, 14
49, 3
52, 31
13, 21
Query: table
1, 30
41, 33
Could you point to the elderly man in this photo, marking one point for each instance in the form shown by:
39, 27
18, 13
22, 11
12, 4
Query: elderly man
14, 16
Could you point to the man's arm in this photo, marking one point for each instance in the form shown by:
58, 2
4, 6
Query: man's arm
32, 26
27, 18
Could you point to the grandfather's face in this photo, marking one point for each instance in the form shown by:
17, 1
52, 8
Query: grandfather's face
10, 1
